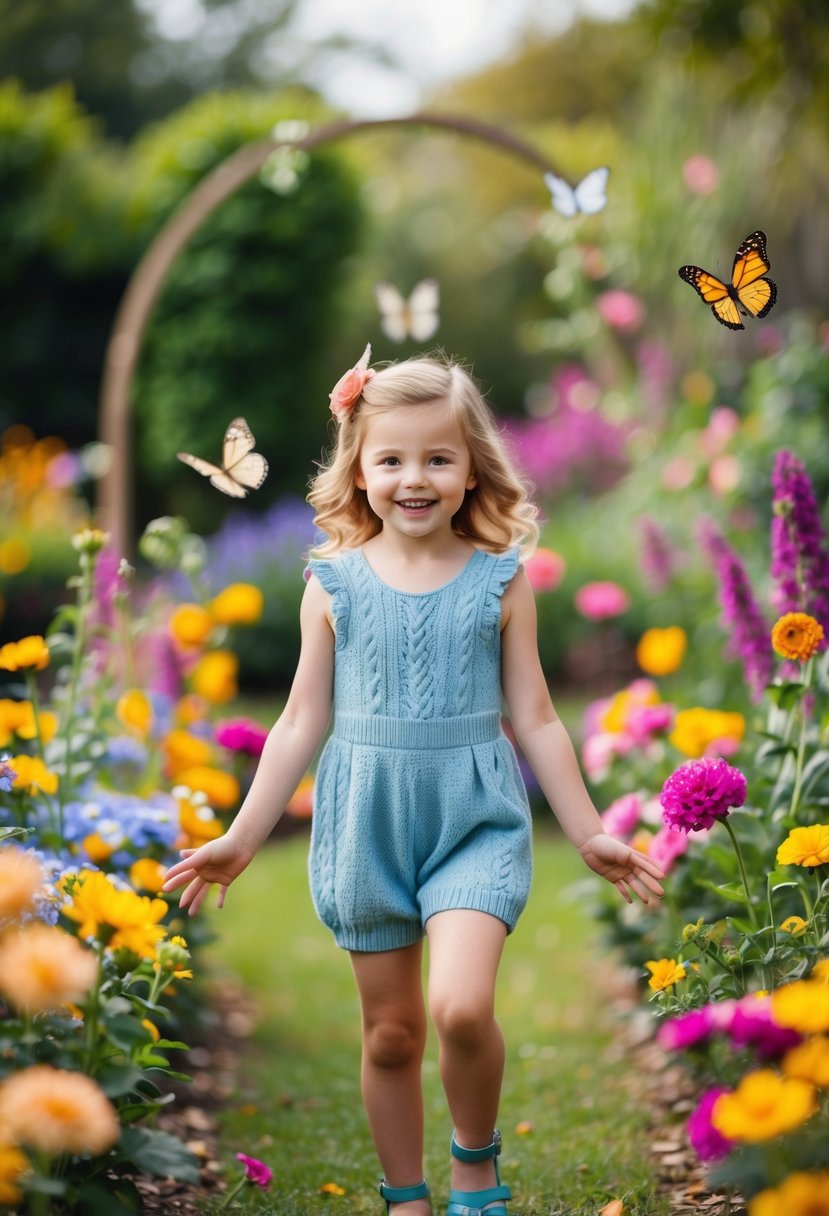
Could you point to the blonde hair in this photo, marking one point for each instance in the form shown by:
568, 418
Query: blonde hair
496, 514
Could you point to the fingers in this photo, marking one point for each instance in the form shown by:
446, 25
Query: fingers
220, 903
623, 891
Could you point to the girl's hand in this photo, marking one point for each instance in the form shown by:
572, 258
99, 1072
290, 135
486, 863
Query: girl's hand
631, 872
218, 861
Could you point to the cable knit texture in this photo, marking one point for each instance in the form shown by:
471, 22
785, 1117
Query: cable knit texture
419, 804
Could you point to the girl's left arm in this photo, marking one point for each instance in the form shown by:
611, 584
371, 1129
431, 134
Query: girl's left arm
551, 755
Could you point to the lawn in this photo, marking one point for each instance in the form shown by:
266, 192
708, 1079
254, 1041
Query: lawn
298, 1107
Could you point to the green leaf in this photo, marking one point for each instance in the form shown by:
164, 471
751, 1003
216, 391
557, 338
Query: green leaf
118, 1079
786, 694
159, 1153
97, 1199
729, 890
817, 768
125, 1031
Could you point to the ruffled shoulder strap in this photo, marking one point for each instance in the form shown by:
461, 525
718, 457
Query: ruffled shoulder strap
330, 574
501, 573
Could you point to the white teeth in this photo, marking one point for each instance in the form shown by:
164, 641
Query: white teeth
415, 502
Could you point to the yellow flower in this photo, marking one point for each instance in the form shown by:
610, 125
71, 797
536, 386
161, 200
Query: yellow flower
33, 777
42, 967
331, 1188
55, 1111
695, 730
809, 1060
803, 846
115, 917
661, 651
135, 711
820, 971
803, 1006
190, 625
21, 877
798, 1195
238, 604
14, 555
665, 972
614, 719
794, 925
147, 875
13, 1165
797, 636
183, 750
29, 652
26, 728
189, 709
173, 957
90, 540
763, 1105
214, 676
221, 789
96, 848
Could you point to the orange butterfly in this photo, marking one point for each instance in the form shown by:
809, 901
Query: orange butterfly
749, 292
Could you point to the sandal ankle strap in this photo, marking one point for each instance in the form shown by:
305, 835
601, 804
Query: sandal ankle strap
471, 1155
404, 1194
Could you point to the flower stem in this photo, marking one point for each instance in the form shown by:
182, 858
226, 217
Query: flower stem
233, 1192
751, 911
84, 596
801, 744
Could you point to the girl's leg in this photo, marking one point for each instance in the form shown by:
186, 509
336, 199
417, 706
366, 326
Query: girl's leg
394, 1038
464, 952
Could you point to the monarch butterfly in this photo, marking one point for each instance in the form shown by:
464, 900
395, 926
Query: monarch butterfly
241, 469
588, 197
749, 292
417, 317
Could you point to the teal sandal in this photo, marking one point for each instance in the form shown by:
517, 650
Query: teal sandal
489, 1202
403, 1194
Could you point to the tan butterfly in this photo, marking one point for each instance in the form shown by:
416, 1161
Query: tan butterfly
416, 317
241, 469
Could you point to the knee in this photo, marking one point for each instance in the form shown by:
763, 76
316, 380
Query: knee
393, 1043
461, 1022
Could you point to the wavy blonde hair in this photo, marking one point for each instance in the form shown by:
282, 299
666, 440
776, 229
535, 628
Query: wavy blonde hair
496, 514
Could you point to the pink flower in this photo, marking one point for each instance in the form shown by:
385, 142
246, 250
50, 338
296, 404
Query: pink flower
598, 601
255, 1171
678, 473
700, 792
545, 569
724, 474
722, 426
666, 846
349, 388
622, 816
753, 1025
241, 735
695, 1026
644, 721
710, 1144
621, 310
700, 174
597, 754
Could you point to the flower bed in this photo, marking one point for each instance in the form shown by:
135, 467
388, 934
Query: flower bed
125, 761
737, 958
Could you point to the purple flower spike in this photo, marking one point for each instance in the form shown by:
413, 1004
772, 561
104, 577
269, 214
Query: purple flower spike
799, 557
749, 635
700, 792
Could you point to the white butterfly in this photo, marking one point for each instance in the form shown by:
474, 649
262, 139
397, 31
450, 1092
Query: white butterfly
241, 469
416, 317
588, 197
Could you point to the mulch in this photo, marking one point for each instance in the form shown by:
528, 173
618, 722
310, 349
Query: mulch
655, 1081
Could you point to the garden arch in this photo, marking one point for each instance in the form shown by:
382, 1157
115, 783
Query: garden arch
115, 493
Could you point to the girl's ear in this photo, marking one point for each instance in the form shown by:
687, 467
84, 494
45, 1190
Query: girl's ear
359, 480
471, 481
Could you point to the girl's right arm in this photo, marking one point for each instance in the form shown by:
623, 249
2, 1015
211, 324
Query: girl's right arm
289, 749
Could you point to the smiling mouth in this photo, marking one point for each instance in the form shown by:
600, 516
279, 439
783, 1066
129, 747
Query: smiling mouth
415, 504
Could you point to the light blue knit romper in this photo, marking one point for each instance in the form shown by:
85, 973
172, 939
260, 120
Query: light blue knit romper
419, 805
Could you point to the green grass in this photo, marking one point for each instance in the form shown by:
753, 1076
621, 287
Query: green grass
298, 1107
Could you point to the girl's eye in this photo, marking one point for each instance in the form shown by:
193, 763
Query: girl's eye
439, 460
390, 460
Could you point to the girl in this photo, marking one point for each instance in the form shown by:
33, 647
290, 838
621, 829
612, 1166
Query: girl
418, 618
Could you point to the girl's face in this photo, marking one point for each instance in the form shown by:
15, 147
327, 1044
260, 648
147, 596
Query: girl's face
415, 468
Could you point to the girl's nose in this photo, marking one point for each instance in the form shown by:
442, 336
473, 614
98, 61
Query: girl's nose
414, 477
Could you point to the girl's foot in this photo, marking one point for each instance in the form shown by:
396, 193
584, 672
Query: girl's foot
415, 1207
473, 1176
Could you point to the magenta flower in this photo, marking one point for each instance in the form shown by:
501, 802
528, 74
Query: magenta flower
710, 1144
545, 569
666, 845
657, 559
598, 601
255, 1171
695, 1026
241, 735
753, 1026
645, 721
700, 792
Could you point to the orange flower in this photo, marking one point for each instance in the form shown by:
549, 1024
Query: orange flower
221, 789
184, 751
302, 800
147, 875
55, 1111
115, 917
797, 636
13, 1165
42, 967
27, 654
190, 625
763, 1106
21, 877
809, 1060
214, 676
197, 821
802, 1005
238, 604
801, 1194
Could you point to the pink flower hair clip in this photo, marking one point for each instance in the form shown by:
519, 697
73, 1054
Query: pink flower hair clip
349, 388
